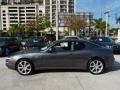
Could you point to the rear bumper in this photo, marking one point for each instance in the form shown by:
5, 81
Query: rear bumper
109, 61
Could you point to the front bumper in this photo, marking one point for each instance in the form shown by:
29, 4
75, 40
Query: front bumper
10, 63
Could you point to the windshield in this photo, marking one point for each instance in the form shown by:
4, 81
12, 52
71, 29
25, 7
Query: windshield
46, 47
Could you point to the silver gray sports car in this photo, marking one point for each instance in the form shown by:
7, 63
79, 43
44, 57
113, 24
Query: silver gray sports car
63, 54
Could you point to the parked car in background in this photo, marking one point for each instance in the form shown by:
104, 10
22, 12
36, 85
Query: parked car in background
63, 54
33, 42
71, 38
106, 42
8, 45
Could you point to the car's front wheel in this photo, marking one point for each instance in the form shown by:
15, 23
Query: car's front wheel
96, 66
24, 67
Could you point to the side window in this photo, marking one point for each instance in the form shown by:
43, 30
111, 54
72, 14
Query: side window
79, 46
62, 47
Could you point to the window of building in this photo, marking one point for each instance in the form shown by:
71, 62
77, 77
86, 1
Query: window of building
4, 28
30, 17
12, 11
4, 18
13, 14
12, 7
4, 21
22, 14
13, 17
3, 11
4, 14
30, 10
30, 7
22, 11
22, 17
21, 7
22, 21
4, 25
13, 21
30, 14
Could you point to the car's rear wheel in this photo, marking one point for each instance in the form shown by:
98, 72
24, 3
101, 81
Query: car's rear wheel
24, 67
96, 66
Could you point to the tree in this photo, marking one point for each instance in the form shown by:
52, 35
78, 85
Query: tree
100, 25
38, 24
75, 23
16, 30
30, 28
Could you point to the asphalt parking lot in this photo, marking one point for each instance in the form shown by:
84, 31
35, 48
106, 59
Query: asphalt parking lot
60, 80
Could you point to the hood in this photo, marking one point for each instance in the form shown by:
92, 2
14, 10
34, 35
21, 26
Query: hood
26, 51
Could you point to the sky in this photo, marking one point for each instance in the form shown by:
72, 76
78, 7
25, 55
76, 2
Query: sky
98, 7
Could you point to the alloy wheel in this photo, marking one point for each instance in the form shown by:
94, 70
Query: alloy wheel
24, 67
96, 66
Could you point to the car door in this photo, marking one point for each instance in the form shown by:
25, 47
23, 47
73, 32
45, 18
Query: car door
59, 57
79, 54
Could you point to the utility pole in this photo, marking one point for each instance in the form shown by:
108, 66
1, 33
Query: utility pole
107, 21
57, 20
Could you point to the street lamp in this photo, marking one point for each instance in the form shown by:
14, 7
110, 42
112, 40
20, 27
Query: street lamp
57, 20
107, 22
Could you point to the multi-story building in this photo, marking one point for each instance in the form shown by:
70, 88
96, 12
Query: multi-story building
19, 14
31, 1
62, 6
23, 12
5, 2
17, 10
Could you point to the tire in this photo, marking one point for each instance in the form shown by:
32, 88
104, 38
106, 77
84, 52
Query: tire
96, 66
24, 67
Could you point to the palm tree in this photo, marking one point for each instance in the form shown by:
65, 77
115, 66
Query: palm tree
99, 25
16, 30
118, 21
